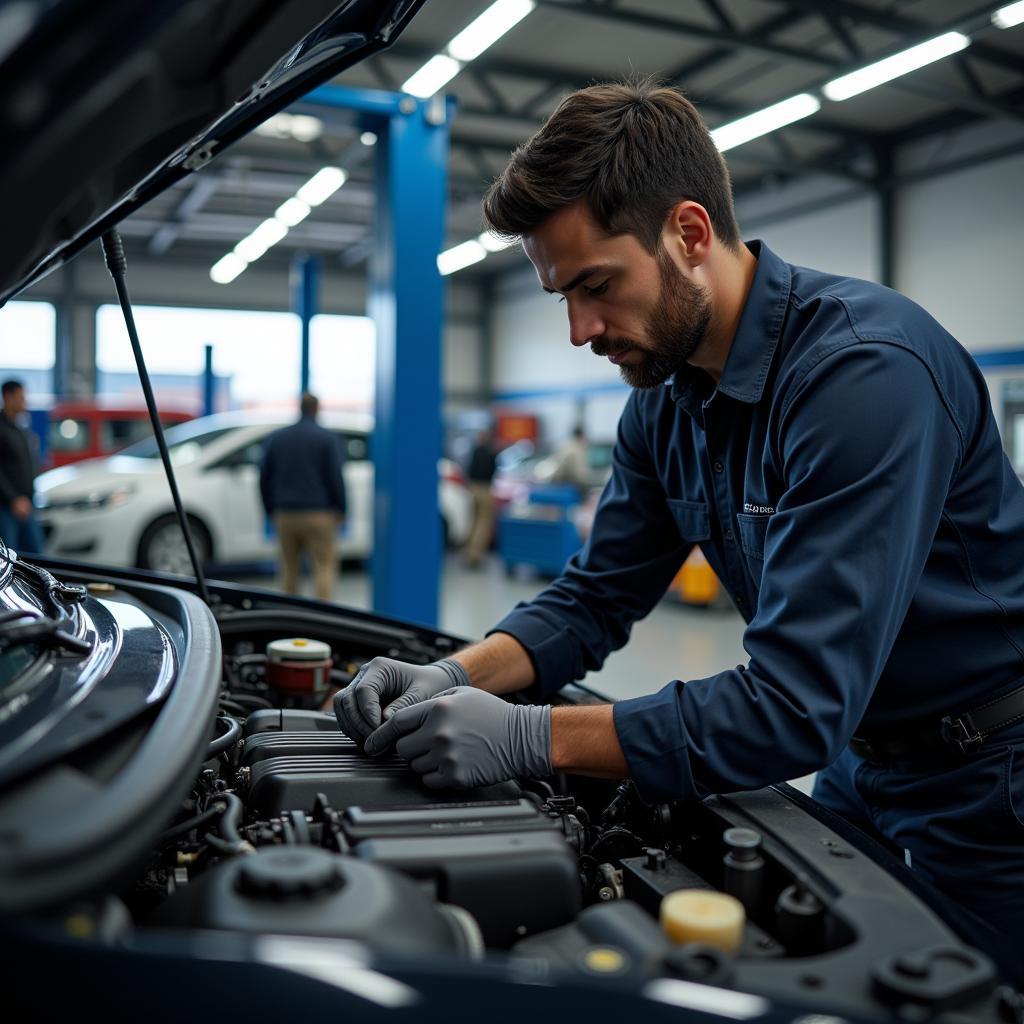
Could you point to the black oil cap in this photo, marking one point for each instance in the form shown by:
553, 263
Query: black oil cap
287, 874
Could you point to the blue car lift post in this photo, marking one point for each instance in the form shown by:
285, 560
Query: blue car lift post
406, 304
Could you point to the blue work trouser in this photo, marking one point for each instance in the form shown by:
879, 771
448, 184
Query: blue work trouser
24, 535
959, 819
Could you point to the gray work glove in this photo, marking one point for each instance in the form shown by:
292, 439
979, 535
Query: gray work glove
383, 686
467, 737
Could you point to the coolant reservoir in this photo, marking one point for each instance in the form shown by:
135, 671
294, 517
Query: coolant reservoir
298, 666
699, 915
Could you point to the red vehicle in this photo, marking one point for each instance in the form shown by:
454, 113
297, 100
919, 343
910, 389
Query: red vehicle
85, 430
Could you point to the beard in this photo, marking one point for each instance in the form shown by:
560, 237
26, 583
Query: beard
675, 328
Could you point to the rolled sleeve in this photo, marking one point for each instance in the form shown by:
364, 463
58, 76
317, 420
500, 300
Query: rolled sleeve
869, 448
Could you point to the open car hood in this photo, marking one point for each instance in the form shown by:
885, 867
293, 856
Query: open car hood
103, 109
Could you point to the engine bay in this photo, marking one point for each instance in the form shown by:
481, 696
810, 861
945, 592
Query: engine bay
276, 824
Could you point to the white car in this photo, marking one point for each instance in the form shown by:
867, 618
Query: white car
118, 510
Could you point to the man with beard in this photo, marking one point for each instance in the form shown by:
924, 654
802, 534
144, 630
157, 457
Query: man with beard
833, 452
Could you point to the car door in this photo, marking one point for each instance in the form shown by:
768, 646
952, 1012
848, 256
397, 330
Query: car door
357, 534
235, 477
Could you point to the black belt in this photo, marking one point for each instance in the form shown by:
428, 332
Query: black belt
960, 733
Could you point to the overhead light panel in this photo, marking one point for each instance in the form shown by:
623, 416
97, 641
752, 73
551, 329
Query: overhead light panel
292, 211
898, 64
460, 256
1008, 16
301, 127
486, 30
437, 72
323, 184
491, 242
253, 246
761, 122
227, 268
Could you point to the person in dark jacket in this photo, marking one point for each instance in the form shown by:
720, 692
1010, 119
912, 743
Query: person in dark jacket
833, 452
303, 490
482, 463
18, 526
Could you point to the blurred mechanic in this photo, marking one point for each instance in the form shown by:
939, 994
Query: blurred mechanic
482, 463
832, 451
303, 490
18, 526
570, 461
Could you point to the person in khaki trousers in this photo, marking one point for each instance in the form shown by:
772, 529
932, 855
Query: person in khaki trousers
481, 469
303, 490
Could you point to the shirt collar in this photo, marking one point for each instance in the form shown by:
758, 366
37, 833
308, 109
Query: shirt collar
757, 336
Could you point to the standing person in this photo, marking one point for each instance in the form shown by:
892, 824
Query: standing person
303, 491
18, 526
571, 466
482, 464
833, 452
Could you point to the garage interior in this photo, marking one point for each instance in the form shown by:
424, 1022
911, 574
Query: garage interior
914, 184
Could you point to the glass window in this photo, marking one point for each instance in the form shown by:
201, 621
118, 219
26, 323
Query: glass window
69, 435
184, 442
356, 445
256, 353
27, 346
116, 434
342, 361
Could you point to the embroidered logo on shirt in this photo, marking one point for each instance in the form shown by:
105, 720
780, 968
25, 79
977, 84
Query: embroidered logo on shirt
765, 510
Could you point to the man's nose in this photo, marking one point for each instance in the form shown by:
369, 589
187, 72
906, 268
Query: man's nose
584, 324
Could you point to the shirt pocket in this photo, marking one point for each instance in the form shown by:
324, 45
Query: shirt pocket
692, 519
752, 530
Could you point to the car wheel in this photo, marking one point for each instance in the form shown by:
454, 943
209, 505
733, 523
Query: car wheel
163, 547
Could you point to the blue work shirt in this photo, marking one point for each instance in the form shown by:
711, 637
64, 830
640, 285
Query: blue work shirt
302, 470
847, 483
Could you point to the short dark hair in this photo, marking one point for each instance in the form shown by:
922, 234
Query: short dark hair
632, 150
309, 404
9, 387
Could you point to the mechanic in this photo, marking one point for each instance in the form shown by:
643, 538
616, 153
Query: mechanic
833, 452
303, 490
18, 526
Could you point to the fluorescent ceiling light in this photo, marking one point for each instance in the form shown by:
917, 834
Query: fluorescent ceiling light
368, 138
893, 67
459, 256
761, 122
253, 246
291, 211
324, 183
227, 268
1008, 16
481, 33
491, 242
437, 72
302, 127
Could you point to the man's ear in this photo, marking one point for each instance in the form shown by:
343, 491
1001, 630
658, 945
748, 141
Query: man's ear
688, 232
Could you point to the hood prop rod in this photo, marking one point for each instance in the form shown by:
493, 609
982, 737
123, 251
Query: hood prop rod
117, 264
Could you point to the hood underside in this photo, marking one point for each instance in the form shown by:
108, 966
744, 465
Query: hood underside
100, 111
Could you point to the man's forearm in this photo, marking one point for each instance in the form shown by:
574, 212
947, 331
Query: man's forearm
498, 664
584, 741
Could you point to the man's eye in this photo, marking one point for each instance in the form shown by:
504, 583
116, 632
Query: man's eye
561, 298
598, 289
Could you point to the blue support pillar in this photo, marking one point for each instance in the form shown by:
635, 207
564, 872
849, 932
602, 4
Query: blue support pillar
209, 381
406, 303
305, 294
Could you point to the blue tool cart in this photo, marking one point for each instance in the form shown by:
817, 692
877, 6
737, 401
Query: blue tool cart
541, 532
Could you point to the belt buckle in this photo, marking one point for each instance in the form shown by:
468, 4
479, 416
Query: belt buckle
961, 733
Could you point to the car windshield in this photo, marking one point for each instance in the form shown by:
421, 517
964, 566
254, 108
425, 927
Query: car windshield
184, 442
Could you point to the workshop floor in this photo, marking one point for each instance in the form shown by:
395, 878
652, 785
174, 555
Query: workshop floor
673, 642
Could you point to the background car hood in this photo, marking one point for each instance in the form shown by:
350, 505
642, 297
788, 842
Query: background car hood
101, 112
92, 473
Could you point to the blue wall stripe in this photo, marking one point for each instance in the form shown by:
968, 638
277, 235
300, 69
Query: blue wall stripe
1000, 357
565, 391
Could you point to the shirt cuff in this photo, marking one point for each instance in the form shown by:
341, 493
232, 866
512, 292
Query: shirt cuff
551, 647
653, 739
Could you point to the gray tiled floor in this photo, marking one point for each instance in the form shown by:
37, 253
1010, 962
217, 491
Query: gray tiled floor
673, 642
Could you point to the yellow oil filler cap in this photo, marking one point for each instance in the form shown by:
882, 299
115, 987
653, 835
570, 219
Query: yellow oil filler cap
699, 915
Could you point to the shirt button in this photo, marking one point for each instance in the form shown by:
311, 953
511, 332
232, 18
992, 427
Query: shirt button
719, 468
728, 534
